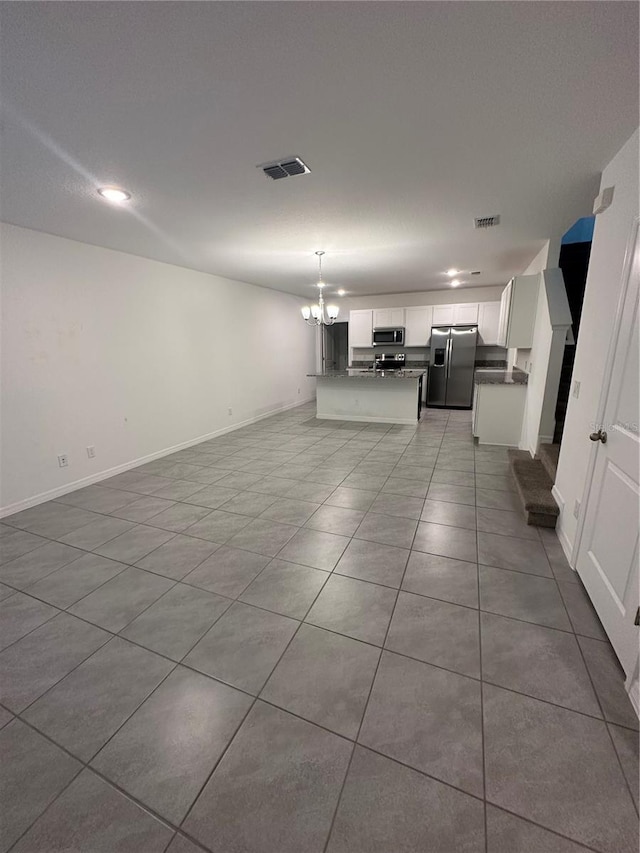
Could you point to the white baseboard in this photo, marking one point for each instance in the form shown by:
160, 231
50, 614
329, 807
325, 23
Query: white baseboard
558, 498
545, 439
524, 446
43, 497
533, 451
368, 420
567, 546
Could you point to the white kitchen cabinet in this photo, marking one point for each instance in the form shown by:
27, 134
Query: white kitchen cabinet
462, 314
518, 312
388, 318
417, 324
465, 313
505, 307
498, 411
488, 323
443, 315
361, 328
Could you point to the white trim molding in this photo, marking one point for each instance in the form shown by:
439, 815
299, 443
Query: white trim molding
142, 460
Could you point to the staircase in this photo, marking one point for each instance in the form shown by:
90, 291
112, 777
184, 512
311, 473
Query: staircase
564, 390
534, 480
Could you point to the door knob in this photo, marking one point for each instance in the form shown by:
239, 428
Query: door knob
601, 435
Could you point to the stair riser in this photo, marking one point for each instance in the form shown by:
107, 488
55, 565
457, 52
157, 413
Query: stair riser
533, 485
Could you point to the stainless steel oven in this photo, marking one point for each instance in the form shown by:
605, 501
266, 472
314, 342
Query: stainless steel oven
388, 337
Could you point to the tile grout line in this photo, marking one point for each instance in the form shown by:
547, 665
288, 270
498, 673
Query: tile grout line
194, 669
482, 716
167, 822
260, 607
253, 703
607, 724
364, 712
301, 622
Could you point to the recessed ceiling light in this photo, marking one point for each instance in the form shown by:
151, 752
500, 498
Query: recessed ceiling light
114, 194
455, 282
341, 292
452, 272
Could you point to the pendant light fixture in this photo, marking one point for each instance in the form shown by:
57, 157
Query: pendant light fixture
317, 315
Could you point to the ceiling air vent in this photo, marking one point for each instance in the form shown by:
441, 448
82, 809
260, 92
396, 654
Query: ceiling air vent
486, 221
284, 168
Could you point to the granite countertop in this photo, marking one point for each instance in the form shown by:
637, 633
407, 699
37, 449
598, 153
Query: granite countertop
486, 376
358, 373
411, 365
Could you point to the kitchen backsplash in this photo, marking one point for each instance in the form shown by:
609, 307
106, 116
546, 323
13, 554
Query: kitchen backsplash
418, 357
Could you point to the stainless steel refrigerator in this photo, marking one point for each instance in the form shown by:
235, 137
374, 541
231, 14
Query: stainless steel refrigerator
453, 355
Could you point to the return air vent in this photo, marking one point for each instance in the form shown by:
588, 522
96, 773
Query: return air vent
284, 168
486, 221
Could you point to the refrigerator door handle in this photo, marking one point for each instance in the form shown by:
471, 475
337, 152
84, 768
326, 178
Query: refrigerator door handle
448, 357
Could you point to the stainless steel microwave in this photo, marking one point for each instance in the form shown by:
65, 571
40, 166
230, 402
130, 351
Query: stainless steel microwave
388, 337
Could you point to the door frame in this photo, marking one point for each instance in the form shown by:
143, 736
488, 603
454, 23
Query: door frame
627, 265
632, 682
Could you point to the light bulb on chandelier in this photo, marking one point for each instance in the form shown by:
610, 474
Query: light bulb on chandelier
314, 315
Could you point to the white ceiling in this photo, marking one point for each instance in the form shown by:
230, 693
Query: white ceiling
414, 118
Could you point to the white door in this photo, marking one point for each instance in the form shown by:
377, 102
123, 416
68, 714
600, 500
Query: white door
607, 558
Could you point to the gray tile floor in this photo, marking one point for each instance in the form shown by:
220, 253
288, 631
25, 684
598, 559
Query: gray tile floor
307, 636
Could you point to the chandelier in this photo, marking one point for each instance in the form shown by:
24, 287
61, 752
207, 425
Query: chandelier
314, 315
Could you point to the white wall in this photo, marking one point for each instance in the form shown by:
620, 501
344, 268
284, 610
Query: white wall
553, 318
521, 357
132, 356
604, 281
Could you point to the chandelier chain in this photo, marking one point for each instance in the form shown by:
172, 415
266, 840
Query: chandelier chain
315, 315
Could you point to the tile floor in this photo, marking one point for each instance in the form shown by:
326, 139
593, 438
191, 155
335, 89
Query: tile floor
303, 637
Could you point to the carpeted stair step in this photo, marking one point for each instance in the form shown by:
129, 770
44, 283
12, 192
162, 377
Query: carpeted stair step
534, 488
548, 455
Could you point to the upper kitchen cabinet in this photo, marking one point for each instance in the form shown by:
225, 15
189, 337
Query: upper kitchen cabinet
361, 328
465, 313
388, 318
417, 324
518, 312
488, 323
455, 315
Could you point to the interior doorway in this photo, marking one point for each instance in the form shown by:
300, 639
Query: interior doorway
336, 347
574, 263
607, 540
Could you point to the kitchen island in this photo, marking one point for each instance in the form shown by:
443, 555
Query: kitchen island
371, 396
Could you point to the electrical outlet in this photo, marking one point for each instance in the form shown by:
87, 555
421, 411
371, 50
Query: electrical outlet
91, 452
576, 509
230, 410
63, 460
576, 389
